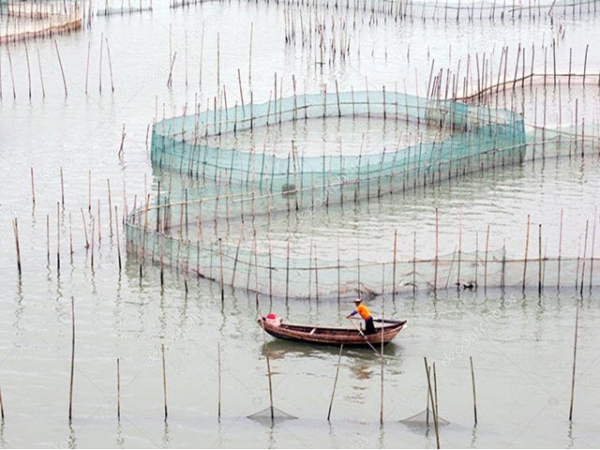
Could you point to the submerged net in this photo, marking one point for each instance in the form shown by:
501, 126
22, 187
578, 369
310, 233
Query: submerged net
271, 415
423, 419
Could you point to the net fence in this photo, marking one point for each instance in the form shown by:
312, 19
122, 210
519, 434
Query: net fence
248, 190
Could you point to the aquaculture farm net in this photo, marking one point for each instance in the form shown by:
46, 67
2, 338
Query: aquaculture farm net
181, 229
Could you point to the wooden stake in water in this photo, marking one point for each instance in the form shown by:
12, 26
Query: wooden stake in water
221, 281
72, 358
436, 417
539, 258
584, 256
57, 238
28, 69
112, 85
474, 395
117, 236
394, 265
574, 362
16, 232
109, 208
270, 389
1, 407
337, 372
219, 364
99, 223
93, 239
61, 68
437, 235
87, 70
41, 76
118, 391
123, 134
12, 77
90, 190
559, 248
381, 361
62, 188
526, 250
87, 243
32, 188
433, 403
162, 347
48, 239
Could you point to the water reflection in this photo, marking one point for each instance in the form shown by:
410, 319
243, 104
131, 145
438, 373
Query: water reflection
362, 371
279, 349
3, 443
72, 441
120, 439
20, 308
165, 438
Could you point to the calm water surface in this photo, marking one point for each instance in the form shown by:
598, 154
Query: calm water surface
521, 343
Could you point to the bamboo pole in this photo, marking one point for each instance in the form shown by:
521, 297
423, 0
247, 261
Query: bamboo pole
72, 358
539, 258
48, 239
87, 243
70, 237
87, 70
593, 245
117, 237
12, 77
118, 391
57, 238
41, 76
61, 67
172, 64
574, 362
32, 187
90, 190
559, 247
436, 416
250, 56
28, 69
112, 85
394, 264
219, 373
437, 249
381, 355
16, 232
433, 403
1, 407
62, 188
109, 208
474, 394
337, 372
99, 223
93, 239
270, 389
526, 250
584, 256
221, 281
162, 347
123, 134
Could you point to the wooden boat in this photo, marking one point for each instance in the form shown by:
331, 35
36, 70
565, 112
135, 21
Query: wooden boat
332, 335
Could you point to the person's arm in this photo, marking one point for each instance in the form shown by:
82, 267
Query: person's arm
351, 314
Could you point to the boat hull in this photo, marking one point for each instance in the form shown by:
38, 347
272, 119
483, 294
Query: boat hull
386, 331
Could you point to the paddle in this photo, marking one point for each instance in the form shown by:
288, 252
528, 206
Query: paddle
363, 335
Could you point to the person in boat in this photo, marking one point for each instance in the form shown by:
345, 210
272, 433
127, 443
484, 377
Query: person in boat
364, 314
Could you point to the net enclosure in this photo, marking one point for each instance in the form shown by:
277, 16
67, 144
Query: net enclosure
253, 188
